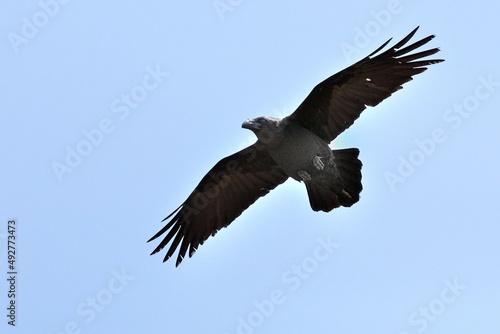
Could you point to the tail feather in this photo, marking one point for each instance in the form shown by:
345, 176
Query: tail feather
349, 167
326, 196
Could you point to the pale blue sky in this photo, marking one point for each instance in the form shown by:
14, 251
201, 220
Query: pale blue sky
112, 112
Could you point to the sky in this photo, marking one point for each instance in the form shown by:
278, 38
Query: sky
111, 113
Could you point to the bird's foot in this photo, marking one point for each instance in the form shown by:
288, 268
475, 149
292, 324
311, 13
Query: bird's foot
305, 176
318, 163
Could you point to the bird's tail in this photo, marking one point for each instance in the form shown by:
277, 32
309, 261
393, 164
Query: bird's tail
326, 197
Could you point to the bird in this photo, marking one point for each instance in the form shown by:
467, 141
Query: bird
297, 147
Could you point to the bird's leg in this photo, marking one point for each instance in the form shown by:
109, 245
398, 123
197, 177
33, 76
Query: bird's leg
305, 176
318, 163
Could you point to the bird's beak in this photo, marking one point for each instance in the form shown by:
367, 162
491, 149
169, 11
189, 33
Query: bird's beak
251, 124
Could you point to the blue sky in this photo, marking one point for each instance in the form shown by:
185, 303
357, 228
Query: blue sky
112, 112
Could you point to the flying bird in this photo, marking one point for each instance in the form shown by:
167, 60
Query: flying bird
296, 146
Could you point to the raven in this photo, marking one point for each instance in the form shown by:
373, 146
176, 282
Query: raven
296, 146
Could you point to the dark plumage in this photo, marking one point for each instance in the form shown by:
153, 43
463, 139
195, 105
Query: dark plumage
297, 147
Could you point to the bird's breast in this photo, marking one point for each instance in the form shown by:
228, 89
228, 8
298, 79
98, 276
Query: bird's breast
301, 154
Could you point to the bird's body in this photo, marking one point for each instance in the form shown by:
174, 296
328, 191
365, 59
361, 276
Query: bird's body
296, 146
307, 158
293, 147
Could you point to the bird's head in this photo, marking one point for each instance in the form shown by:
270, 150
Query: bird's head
264, 127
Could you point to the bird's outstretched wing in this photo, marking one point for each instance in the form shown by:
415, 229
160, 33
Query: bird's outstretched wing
334, 104
230, 187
